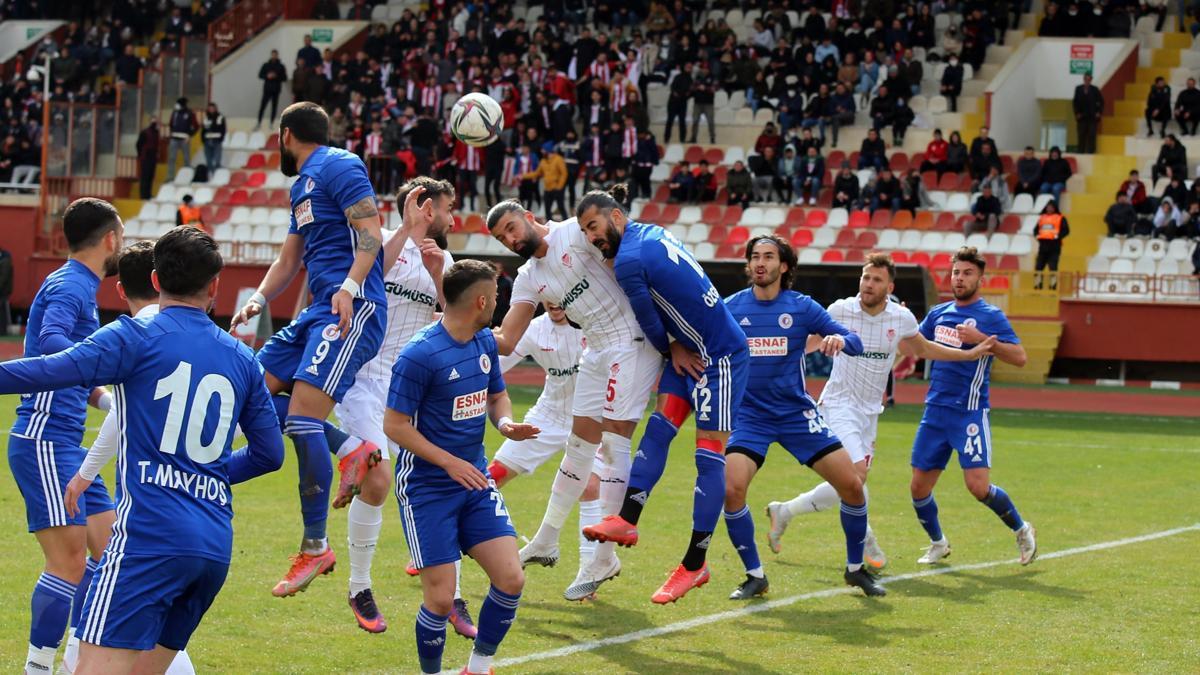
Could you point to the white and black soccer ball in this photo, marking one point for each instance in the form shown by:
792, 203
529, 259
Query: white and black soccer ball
477, 120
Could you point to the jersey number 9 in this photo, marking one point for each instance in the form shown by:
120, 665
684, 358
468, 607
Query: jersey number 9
176, 386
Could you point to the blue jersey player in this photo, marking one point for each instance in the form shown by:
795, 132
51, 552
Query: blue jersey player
956, 407
335, 232
182, 384
44, 447
445, 384
681, 313
777, 323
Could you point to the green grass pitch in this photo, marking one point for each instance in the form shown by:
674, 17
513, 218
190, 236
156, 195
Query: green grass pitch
1081, 478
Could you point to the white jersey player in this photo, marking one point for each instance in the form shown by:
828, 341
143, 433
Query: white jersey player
852, 399
617, 371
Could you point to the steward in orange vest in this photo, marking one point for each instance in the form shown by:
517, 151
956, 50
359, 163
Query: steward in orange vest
189, 215
1050, 230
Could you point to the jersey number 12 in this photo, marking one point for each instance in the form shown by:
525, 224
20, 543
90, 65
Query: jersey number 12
176, 387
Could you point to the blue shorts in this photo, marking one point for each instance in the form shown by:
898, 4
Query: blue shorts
944, 430
807, 437
717, 395
42, 470
309, 349
439, 525
139, 601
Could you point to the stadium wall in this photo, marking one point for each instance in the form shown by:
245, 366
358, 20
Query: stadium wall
16, 36
1129, 331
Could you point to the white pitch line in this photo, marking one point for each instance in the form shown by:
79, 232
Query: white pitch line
793, 599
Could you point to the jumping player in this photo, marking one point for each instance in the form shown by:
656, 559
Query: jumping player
852, 399
413, 286
181, 385
681, 314
616, 372
956, 407
445, 384
778, 322
335, 232
44, 447
555, 345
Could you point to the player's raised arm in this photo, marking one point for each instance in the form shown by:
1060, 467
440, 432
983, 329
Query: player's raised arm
279, 275
1007, 346
837, 338
521, 309
364, 219
917, 346
100, 359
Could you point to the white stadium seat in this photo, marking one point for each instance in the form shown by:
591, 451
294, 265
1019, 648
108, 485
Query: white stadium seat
1098, 265
810, 256
910, 240
999, 244
1132, 248
1022, 204
1110, 247
824, 238
955, 240
1022, 244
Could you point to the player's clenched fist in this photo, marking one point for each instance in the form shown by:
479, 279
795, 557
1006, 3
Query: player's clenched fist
464, 473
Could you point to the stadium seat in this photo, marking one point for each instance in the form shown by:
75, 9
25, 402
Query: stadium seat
166, 213
957, 202
910, 240
1009, 262
1021, 244
734, 154
835, 159
923, 221
693, 154
898, 162
256, 161
184, 176
732, 215
795, 218
223, 232
824, 237
817, 218
945, 222
931, 242
1110, 247
728, 252
237, 159
1022, 204
259, 198
833, 255
948, 182
662, 194
717, 234
697, 233
203, 194
837, 217
1121, 266
938, 104
902, 220
256, 141
999, 244
979, 240
712, 214
678, 231
1156, 249
998, 282
673, 155
256, 179
1010, 224
705, 251
236, 140
846, 238
275, 181
689, 215
1041, 202
649, 213
888, 240
879, 220
801, 238
1180, 250
1166, 267
668, 214
738, 235
715, 156
940, 263
1132, 248
280, 218
899, 257
1145, 266
868, 240
859, 219
919, 258
773, 217
952, 241
753, 216
166, 194
810, 256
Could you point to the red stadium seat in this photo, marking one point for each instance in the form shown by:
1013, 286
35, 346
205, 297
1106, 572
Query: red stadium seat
722, 195
256, 161
919, 258
237, 179
867, 239
899, 257
802, 238
662, 194
835, 159
916, 160
930, 179
784, 231
816, 219
717, 234
728, 252
711, 214
208, 213
273, 160
825, 199
272, 142
649, 213
721, 173
669, 214
945, 222
221, 196
859, 219
991, 259
256, 179
923, 221
880, 219
795, 217
1011, 224
1006, 164
714, 156
738, 235
899, 162
948, 182
940, 263
853, 161
998, 282
1009, 262
964, 182
280, 199
903, 220
732, 216
846, 238
962, 221
833, 255
1073, 164
694, 154
258, 198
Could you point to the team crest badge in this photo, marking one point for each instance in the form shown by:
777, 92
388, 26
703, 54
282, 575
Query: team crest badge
309, 185
891, 334
785, 321
583, 342
566, 260
616, 368
972, 429
485, 363
969, 322
330, 332
810, 414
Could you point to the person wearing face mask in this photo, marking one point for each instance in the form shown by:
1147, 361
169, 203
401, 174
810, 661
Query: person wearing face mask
182, 127
952, 81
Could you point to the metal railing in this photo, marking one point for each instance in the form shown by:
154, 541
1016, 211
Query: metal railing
242, 22
1175, 288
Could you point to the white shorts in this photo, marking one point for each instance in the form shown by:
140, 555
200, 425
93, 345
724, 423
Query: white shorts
526, 456
616, 383
854, 428
361, 411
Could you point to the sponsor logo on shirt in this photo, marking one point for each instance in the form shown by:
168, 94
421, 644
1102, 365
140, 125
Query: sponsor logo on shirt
408, 294
303, 213
453, 375
768, 346
882, 356
573, 294
469, 406
562, 372
947, 335
745, 321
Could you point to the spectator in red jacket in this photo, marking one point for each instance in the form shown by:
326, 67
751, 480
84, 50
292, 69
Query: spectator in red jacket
1136, 189
935, 154
768, 138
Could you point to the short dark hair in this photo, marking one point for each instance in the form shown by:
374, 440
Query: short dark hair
787, 255
970, 254
463, 275
186, 260
616, 197
878, 259
307, 121
134, 265
433, 188
499, 209
87, 220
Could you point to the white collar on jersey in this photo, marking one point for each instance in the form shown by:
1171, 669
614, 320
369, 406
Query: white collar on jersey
148, 310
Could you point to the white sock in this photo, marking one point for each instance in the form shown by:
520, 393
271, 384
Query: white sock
364, 522
820, 498
590, 513
458, 579
181, 665
71, 653
757, 572
615, 449
568, 486
349, 446
853, 568
40, 660
478, 663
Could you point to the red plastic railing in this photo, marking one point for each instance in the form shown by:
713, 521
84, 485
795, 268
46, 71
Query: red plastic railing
242, 22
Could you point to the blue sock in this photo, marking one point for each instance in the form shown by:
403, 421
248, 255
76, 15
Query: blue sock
431, 639
316, 471
50, 609
81, 591
854, 526
648, 464
334, 436
709, 496
997, 500
927, 513
740, 526
496, 615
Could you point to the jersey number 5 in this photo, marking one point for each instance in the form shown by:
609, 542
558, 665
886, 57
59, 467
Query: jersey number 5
176, 387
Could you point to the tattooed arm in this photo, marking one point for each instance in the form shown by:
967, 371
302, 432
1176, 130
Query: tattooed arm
364, 218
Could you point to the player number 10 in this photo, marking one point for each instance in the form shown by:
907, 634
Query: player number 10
176, 387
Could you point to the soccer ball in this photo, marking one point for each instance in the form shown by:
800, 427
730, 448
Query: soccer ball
477, 120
